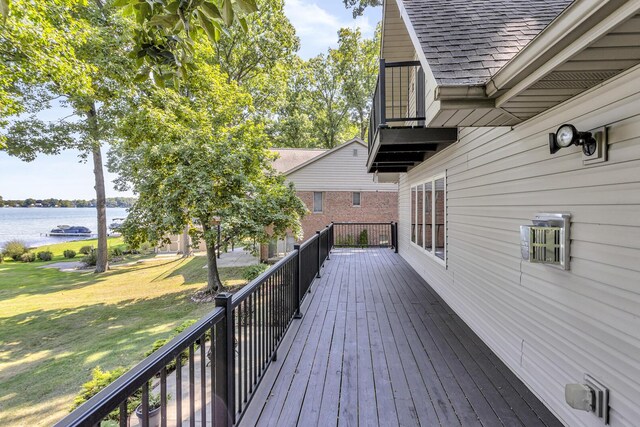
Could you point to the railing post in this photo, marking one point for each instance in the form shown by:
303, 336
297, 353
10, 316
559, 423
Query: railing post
319, 262
224, 400
298, 283
395, 232
329, 231
383, 100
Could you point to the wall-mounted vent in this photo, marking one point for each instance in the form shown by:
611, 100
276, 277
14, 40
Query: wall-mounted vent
355, 152
547, 240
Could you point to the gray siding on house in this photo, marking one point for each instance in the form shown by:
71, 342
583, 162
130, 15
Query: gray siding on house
550, 326
339, 171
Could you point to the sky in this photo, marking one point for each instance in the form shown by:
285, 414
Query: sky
65, 177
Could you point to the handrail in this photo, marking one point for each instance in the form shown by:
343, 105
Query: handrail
245, 332
111, 396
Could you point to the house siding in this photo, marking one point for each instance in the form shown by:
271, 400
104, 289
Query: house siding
548, 325
339, 171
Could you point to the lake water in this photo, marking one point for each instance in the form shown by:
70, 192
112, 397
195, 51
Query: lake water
30, 224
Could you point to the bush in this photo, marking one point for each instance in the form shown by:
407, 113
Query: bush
117, 251
28, 257
86, 250
100, 379
254, 271
14, 249
45, 255
91, 259
363, 239
69, 253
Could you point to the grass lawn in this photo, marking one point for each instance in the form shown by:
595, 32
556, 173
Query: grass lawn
56, 327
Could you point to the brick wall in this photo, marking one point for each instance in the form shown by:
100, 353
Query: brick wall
338, 207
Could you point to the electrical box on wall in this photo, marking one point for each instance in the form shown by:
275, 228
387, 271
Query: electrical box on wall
599, 155
547, 241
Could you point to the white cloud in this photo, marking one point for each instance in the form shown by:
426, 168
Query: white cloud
318, 28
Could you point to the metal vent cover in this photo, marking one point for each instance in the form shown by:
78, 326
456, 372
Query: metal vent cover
547, 240
573, 79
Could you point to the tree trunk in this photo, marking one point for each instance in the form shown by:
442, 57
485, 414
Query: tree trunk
213, 279
102, 262
186, 248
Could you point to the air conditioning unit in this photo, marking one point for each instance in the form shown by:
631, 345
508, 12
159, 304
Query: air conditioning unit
547, 241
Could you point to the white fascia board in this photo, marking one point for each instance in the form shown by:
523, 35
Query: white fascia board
569, 20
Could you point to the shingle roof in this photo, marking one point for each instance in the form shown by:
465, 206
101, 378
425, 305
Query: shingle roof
467, 41
289, 158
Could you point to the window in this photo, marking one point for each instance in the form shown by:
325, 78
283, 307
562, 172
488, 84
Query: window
356, 198
317, 202
428, 216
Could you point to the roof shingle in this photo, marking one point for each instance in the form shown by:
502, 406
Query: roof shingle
480, 35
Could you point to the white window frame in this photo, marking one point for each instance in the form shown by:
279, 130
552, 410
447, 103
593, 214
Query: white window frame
414, 188
353, 193
321, 202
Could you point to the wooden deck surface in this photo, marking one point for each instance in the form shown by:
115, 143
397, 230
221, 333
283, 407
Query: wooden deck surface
378, 347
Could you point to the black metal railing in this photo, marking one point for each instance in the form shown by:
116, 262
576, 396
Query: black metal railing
364, 235
399, 97
227, 352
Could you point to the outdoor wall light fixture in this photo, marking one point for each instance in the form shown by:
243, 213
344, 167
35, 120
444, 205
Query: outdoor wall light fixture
568, 135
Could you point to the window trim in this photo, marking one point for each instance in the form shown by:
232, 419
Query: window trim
321, 202
414, 188
359, 193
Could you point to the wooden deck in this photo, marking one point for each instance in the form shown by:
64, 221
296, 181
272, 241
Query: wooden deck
378, 347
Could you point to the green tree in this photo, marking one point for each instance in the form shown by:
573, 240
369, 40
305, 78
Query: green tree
358, 62
198, 159
90, 71
359, 6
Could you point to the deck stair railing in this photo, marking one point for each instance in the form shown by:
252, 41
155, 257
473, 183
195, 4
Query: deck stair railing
227, 352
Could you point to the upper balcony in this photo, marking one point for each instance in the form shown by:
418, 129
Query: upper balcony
398, 138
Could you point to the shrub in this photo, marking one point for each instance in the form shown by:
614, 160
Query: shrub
1, 258
99, 380
28, 257
254, 271
69, 253
86, 250
45, 255
117, 251
146, 247
363, 239
91, 259
14, 249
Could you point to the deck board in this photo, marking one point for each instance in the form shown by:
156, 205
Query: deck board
378, 347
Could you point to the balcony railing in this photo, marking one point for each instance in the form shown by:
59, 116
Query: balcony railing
365, 234
227, 352
399, 97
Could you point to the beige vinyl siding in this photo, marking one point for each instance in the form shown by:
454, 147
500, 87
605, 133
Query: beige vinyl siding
550, 326
339, 171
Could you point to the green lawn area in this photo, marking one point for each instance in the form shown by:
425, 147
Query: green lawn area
56, 327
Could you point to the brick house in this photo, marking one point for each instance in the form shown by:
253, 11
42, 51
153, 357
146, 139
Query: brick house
335, 187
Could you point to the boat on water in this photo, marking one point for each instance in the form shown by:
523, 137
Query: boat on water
116, 224
70, 230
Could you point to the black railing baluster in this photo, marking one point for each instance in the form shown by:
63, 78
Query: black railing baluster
123, 414
179, 388
203, 380
192, 387
212, 372
163, 397
145, 404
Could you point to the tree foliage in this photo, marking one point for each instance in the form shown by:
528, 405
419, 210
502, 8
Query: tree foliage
359, 6
167, 30
199, 159
81, 63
